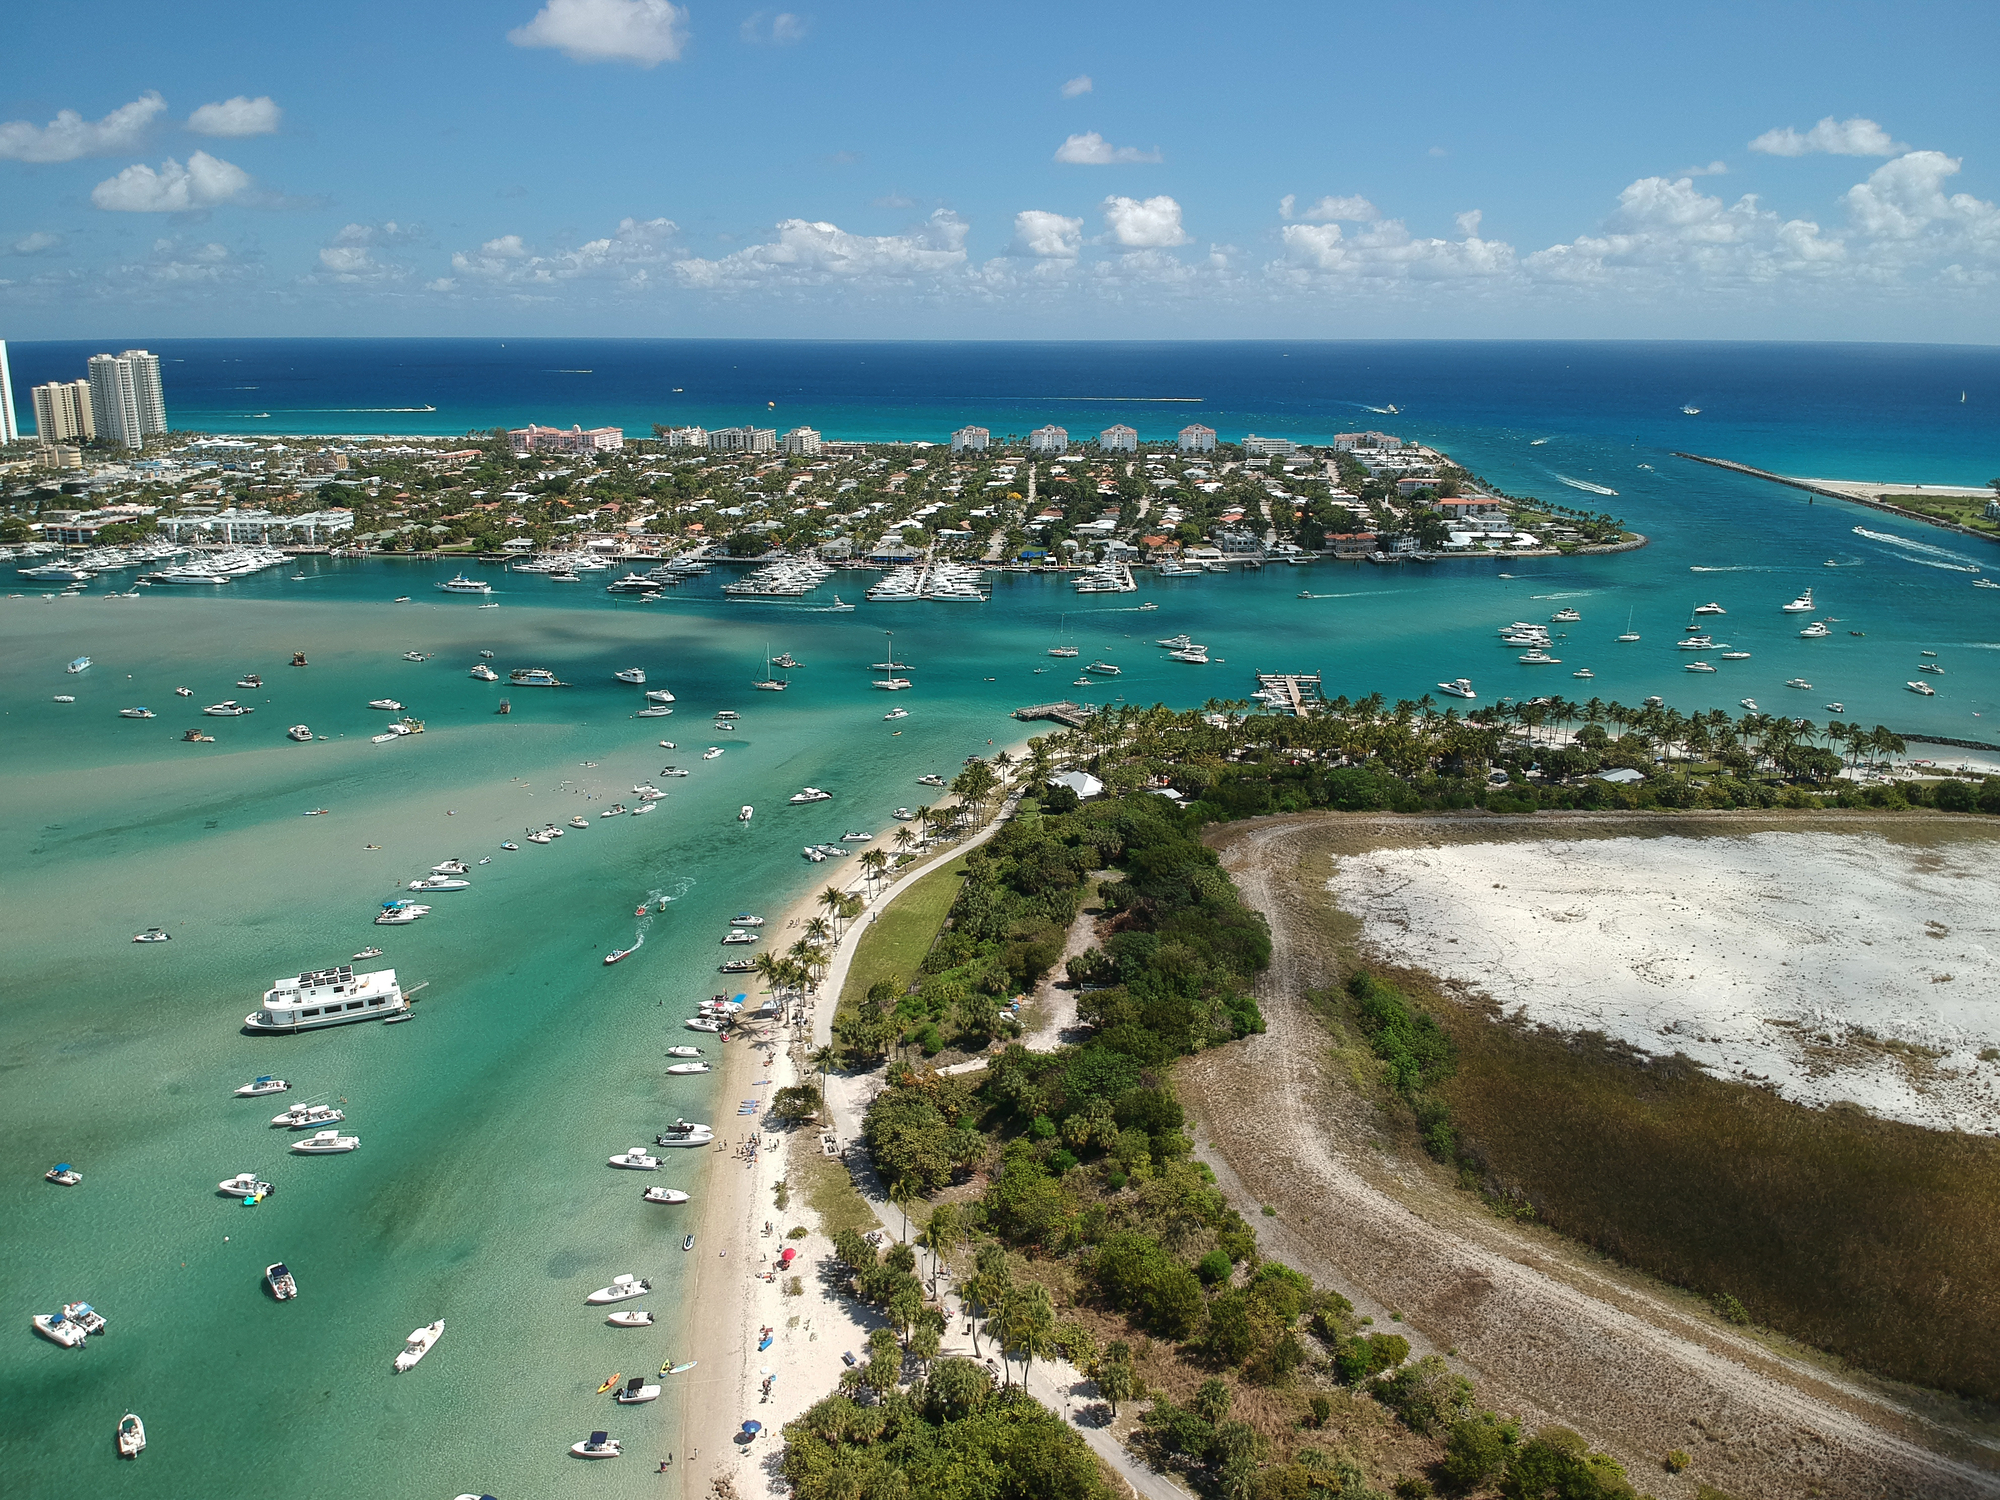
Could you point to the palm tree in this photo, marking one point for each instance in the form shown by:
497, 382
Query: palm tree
875, 862
834, 900
904, 838
923, 821
770, 968
819, 930
821, 1060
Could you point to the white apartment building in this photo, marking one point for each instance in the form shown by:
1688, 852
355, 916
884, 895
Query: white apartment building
238, 526
743, 440
146, 391
1049, 439
1260, 447
10, 431
1196, 438
1119, 439
536, 439
114, 402
1347, 442
62, 411
970, 440
801, 440
685, 437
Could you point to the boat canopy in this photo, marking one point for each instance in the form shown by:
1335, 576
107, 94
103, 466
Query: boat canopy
598, 1439
63, 1166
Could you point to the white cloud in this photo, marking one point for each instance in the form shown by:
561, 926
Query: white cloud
1851, 137
1356, 210
1905, 199
1144, 223
627, 256
1051, 236
69, 136
1077, 85
37, 243
203, 183
1093, 150
388, 232
1713, 169
646, 32
1666, 231
1387, 251
1468, 222
782, 30
892, 200
352, 259
817, 254
239, 116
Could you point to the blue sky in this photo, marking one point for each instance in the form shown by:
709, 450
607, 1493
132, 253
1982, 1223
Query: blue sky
1106, 171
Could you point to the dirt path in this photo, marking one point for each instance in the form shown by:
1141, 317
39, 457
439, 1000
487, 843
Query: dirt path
1053, 1005
1546, 1331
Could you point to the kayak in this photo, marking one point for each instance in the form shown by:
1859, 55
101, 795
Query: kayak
610, 1383
678, 1369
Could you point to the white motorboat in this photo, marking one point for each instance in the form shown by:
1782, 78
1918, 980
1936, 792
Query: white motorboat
326, 1143
62, 1174
902, 815
420, 1343
1103, 669
153, 935
579, 821
685, 1133
898, 712
856, 836
664, 1195
463, 585
1814, 632
137, 713
745, 813
1539, 658
441, 883
81, 664
810, 794
250, 680
299, 732
931, 780
60, 1329
327, 997
636, 1389
545, 836
689, 1068
258, 1087
1735, 656
183, 692
1750, 704
484, 673
597, 1445
1931, 667
684, 1052
244, 1185
400, 913
746, 919
1801, 605
622, 1289
1710, 609
1458, 687
1922, 689
533, 677
738, 935
1565, 617
634, 675
646, 792
388, 705
1583, 672
631, 1317
711, 752
306, 1116
644, 807
229, 708
1698, 666
416, 656
1696, 643
131, 1435
635, 1160
449, 867
284, 1286
615, 810
1798, 682
700, 1023
658, 695
1836, 708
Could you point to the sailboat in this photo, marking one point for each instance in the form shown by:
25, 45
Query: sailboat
1630, 634
892, 683
1059, 649
771, 683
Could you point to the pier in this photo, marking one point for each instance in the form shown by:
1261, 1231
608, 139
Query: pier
1296, 693
1070, 715
1842, 492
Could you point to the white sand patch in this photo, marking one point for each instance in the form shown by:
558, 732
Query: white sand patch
1777, 957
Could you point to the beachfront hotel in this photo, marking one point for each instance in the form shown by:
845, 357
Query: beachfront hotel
534, 439
971, 440
743, 440
10, 432
802, 440
1119, 438
1195, 438
1049, 439
1261, 447
62, 411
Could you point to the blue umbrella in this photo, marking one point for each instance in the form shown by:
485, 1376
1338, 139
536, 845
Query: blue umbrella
753, 1428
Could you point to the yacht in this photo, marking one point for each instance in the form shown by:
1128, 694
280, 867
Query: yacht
326, 1143
154, 935
891, 684
1177, 642
1751, 704
786, 661
1801, 605
726, 713
682, 1068
1539, 658
1932, 667
738, 936
62, 1174
647, 793
1736, 656
634, 675
1565, 617
636, 1160
1103, 669
685, 1133
229, 708
533, 677
441, 882
658, 695
1696, 643
387, 705
1583, 672
323, 997
1629, 636
244, 1185
1922, 688
1985, 583
131, 1435
300, 733
898, 712
663, 1195
261, 1085
137, 713
1799, 682
810, 794
306, 1116
483, 673
419, 1344
1815, 631
634, 583
250, 680
598, 1445
57, 573
1710, 609
400, 913
284, 1286
190, 575
1698, 666
1836, 708
711, 752
931, 780
653, 711
622, 1289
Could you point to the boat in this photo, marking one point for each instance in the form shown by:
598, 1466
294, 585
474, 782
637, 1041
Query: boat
137, 713
505, 707
1799, 682
622, 1289
183, 692
687, 1243
1696, 643
1932, 667
284, 1286
1735, 656
131, 1435
810, 794
81, 664
420, 1343
738, 935
634, 675
509, 845
299, 732
153, 935
298, 658
1710, 609
400, 913
1698, 666
1690, 411
1814, 632
388, 705
326, 1143
263, 1084
711, 752
745, 813
185, 575
483, 673
663, 1195
1924, 689
688, 1068
1583, 672
229, 708
1751, 704
250, 680
671, 770
1565, 617
702, 1023
62, 1174
533, 677
635, 1160
615, 810
244, 1185
598, 1445
1539, 658
1801, 605
786, 661
658, 695
685, 1133
327, 997
1458, 687
653, 711
631, 1317
1836, 708
460, 584
1985, 583
636, 1389
305, 1116
1103, 669
196, 737
854, 836
59, 1329
579, 821
931, 780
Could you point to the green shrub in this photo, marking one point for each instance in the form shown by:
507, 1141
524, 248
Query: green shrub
1213, 1267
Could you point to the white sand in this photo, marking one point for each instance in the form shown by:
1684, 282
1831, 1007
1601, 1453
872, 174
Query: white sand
1768, 957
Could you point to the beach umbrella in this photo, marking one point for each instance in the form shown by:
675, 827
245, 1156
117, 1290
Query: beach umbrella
753, 1428
786, 1258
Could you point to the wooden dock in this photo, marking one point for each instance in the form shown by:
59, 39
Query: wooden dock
1296, 693
1070, 715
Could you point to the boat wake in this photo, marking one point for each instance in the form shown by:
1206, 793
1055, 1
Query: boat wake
659, 899
1578, 594
1379, 410
1957, 561
1586, 486
1699, 569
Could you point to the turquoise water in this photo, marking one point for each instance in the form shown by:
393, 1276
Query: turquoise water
479, 1194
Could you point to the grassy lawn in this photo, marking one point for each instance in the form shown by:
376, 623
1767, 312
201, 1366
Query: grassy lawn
896, 942
1963, 510
830, 1193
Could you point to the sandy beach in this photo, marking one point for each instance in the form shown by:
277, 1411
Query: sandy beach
1827, 966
